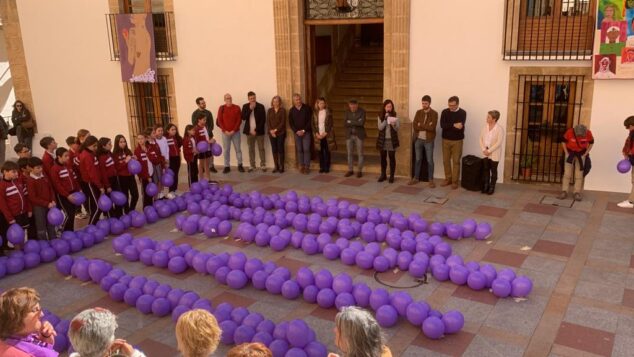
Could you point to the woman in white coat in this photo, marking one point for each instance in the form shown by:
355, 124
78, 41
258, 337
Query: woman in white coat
491, 139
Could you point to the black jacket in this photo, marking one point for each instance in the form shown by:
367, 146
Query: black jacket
260, 118
4, 129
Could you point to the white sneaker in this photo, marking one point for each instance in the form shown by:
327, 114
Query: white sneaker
626, 204
170, 195
161, 196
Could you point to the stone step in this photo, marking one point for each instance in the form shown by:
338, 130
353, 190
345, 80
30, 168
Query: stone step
360, 77
341, 90
369, 70
363, 62
363, 99
359, 84
366, 56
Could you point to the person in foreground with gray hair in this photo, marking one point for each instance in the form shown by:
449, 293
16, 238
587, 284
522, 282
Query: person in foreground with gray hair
358, 334
91, 333
577, 143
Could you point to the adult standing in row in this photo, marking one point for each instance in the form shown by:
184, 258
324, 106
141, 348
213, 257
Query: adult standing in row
355, 134
276, 121
424, 126
229, 121
299, 118
254, 118
202, 109
387, 142
491, 139
23, 123
322, 126
4, 134
452, 121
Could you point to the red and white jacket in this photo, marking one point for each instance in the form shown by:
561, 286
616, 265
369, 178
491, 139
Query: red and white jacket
89, 169
48, 160
40, 191
64, 180
143, 155
201, 133
121, 165
13, 199
189, 148
73, 158
107, 168
174, 145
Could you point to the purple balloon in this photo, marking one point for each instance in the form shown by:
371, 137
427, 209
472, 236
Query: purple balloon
521, 287
477, 280
117, 291
298, 333
202, 146
417, 312
323, 279
279, 348
624, 166
381, 264
151, 189
386, 316
118, 198
326, 298
433, 328
483, 231
290, 289
378, 298
15, 234
343, 300
216, 149
364, 260
77, 198
453, 321
104, 203
459, 274
400, 301
177, 265
237, 279
501, 287
441, 272
31, 260
134, 167
54, 216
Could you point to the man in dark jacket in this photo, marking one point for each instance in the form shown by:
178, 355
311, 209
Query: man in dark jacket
202, 109
452, 121
300, 118
355, 134
4, 131
254, 118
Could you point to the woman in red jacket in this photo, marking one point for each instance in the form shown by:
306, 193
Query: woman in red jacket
122, 155
144, 153
174, 142
91, 180
108, 171
64, 183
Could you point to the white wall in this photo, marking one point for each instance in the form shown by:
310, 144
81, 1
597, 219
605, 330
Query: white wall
455, 52
224, 47
73, 81
612, 103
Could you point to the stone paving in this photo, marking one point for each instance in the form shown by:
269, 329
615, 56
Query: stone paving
579, 255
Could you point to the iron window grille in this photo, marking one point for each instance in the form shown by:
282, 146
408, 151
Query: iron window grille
547, 105
149, 104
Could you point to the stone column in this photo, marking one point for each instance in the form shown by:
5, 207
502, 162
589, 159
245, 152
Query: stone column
288, 19
396, 75
15, 52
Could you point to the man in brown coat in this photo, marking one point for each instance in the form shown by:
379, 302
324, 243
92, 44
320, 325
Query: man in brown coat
424, 131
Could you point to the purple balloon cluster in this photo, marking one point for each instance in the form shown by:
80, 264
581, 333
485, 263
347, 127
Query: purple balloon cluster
164, 254
238, 324
237, 270
61, 328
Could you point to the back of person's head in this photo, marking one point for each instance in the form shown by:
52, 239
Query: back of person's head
71, 140
9, 166
254, 349
91, 332
197, 333
580, 130
359, 334
101, 145
34, 162
15, 305
90, 141
629, 121
23, 162
188, 127
46, 141
18, 147
426, 98
59, 152
148, 132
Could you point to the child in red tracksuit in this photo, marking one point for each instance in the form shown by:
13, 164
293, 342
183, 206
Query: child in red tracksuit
91, 181
122, 155
48, 159
64, 183
73, 164
108, 171
174, 143
201, 134
42, 199
14, 205
191, 154
146, 155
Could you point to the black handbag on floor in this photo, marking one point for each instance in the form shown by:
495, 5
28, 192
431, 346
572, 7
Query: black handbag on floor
472, 173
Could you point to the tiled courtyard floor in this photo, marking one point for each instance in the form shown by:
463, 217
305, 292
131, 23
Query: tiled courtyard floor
580, 257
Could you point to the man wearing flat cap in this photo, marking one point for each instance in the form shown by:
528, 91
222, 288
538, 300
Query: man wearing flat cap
577, 143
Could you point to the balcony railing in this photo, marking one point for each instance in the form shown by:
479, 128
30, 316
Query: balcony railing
343, 9
164, 36
549, 30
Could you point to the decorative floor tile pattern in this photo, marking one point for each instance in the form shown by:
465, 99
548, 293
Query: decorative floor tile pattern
595, 305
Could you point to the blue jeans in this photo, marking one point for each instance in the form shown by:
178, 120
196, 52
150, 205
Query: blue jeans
226, 146
429, 155
302, 145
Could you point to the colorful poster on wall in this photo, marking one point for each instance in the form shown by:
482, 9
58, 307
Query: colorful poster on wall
135, 33
614, 40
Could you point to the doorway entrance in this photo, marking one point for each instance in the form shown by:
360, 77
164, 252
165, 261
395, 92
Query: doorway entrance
345, 61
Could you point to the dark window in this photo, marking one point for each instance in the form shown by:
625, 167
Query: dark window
149, 104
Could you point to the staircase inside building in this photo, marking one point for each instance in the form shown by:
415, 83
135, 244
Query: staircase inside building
361, 78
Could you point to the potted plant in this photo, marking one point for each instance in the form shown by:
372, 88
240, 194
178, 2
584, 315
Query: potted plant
527, 160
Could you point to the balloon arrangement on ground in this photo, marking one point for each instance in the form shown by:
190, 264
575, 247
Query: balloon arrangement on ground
238, 324
237, 270
624, 166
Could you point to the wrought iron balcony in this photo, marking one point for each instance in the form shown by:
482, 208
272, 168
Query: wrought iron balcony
318, 10
164, 36
549, 30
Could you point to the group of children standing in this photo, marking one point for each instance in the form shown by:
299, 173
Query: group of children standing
32, 185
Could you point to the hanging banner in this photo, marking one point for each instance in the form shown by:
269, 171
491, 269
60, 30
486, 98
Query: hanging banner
614, 40
135, 33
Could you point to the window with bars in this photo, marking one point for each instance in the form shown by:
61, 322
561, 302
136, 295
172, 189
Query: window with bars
547, 105
149, 104
549, 29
